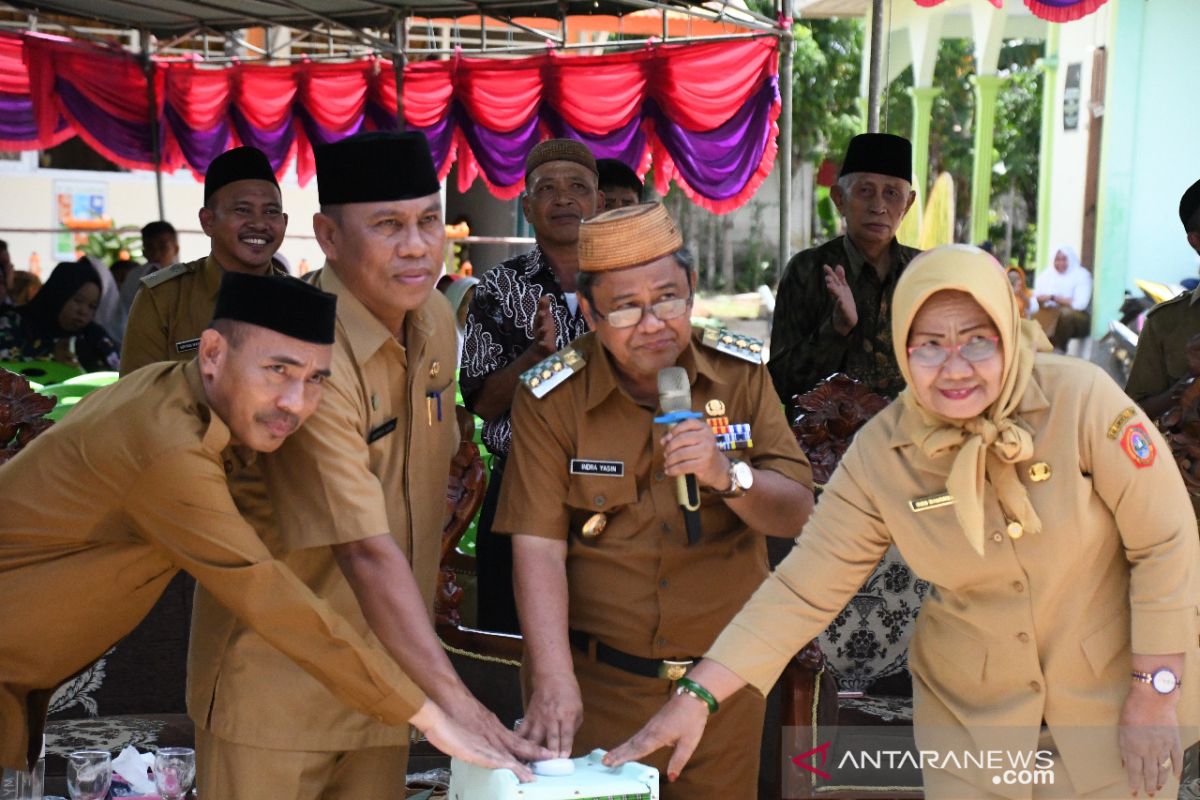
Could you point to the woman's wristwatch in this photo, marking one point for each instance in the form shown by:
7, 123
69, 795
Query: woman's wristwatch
1161, 680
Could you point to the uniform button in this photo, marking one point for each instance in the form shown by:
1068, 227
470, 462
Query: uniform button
228, 467
1035, 686
658, 476
997, 537
599, 500
666, 527
661, 642
1018, 586
1023, 637
663, 583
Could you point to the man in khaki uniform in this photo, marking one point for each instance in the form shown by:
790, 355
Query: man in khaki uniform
243, 216
104, 508
615, 596
1161, 361
359, 499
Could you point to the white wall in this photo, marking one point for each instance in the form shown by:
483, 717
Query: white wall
27, 201
1077, 45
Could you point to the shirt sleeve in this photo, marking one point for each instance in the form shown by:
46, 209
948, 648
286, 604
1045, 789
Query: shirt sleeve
183, 505
145, 335
842, 542
1154, 516
534, 492
804, 346
320, 479
483, 343
775, 446
1148, 375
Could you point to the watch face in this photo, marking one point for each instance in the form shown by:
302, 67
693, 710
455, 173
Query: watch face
1163, 681
745, 476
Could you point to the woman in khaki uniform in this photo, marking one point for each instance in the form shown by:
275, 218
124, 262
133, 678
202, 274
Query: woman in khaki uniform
1055, 529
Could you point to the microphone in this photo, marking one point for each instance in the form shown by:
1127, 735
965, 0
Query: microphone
675, 399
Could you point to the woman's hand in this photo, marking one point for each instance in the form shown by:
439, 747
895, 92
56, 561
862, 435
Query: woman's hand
1149, 739
680, 723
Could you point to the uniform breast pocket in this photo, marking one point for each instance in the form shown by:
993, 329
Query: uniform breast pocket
613, 496
439, 402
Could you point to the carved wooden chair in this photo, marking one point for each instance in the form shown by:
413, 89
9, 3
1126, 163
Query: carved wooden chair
850, 686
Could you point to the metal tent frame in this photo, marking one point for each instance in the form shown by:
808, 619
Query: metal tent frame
357, 28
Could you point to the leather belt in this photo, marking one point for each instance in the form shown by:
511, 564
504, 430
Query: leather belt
667, 669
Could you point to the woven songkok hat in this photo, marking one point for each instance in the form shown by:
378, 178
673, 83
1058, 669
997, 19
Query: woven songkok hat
559, 150
627, 237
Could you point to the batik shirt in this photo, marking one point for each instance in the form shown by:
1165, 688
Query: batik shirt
500, 326
804, 346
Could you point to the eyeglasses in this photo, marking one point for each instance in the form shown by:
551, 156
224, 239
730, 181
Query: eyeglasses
663, 311
974, 350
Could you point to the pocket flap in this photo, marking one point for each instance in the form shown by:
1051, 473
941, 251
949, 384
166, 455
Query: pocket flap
1104, 643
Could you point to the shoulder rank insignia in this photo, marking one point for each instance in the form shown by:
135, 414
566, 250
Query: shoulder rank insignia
550, 372
746, 348
165, 274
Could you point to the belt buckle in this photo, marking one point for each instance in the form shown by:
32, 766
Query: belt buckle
673, 670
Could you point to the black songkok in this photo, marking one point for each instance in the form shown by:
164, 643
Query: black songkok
617, 173
282, 304
1188, 205
881, 153
238, 164
376, 167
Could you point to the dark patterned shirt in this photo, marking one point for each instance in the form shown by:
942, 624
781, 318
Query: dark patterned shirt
804, 346
500, 325
94, 348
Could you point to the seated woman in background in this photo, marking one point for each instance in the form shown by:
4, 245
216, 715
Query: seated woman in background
58, 322
1027, 304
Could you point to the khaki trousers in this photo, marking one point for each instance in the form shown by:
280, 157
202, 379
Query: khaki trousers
616, 704
229, 771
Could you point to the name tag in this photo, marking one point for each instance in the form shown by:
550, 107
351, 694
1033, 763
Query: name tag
919, 504
583, 466
382, 431
187, 345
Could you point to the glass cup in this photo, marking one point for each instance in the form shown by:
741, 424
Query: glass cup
174, 771
89, 774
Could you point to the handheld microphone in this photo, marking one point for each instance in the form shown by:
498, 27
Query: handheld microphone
675, 398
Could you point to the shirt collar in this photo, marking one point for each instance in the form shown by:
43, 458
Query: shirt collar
365, 333
212, 275
857, 260
217, 435
604, 381
213, 272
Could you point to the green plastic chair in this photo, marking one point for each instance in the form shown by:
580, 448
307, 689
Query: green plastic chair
72, 390
43, 371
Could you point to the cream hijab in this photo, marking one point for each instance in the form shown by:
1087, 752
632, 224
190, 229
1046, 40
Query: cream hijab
989, 446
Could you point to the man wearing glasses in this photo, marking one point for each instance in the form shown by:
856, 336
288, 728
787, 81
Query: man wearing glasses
615, 601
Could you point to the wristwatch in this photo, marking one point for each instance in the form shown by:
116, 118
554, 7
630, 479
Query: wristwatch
741, 478
1162, 680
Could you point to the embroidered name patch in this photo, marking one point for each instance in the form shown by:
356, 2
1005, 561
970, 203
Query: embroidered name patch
187, 345
584, 466
382, 431
1138, 446
1115, 429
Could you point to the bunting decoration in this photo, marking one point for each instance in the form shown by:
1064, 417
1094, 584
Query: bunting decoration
703, 115
1050, 10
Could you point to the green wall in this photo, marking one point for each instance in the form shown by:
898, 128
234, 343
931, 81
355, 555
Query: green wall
1150, 152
